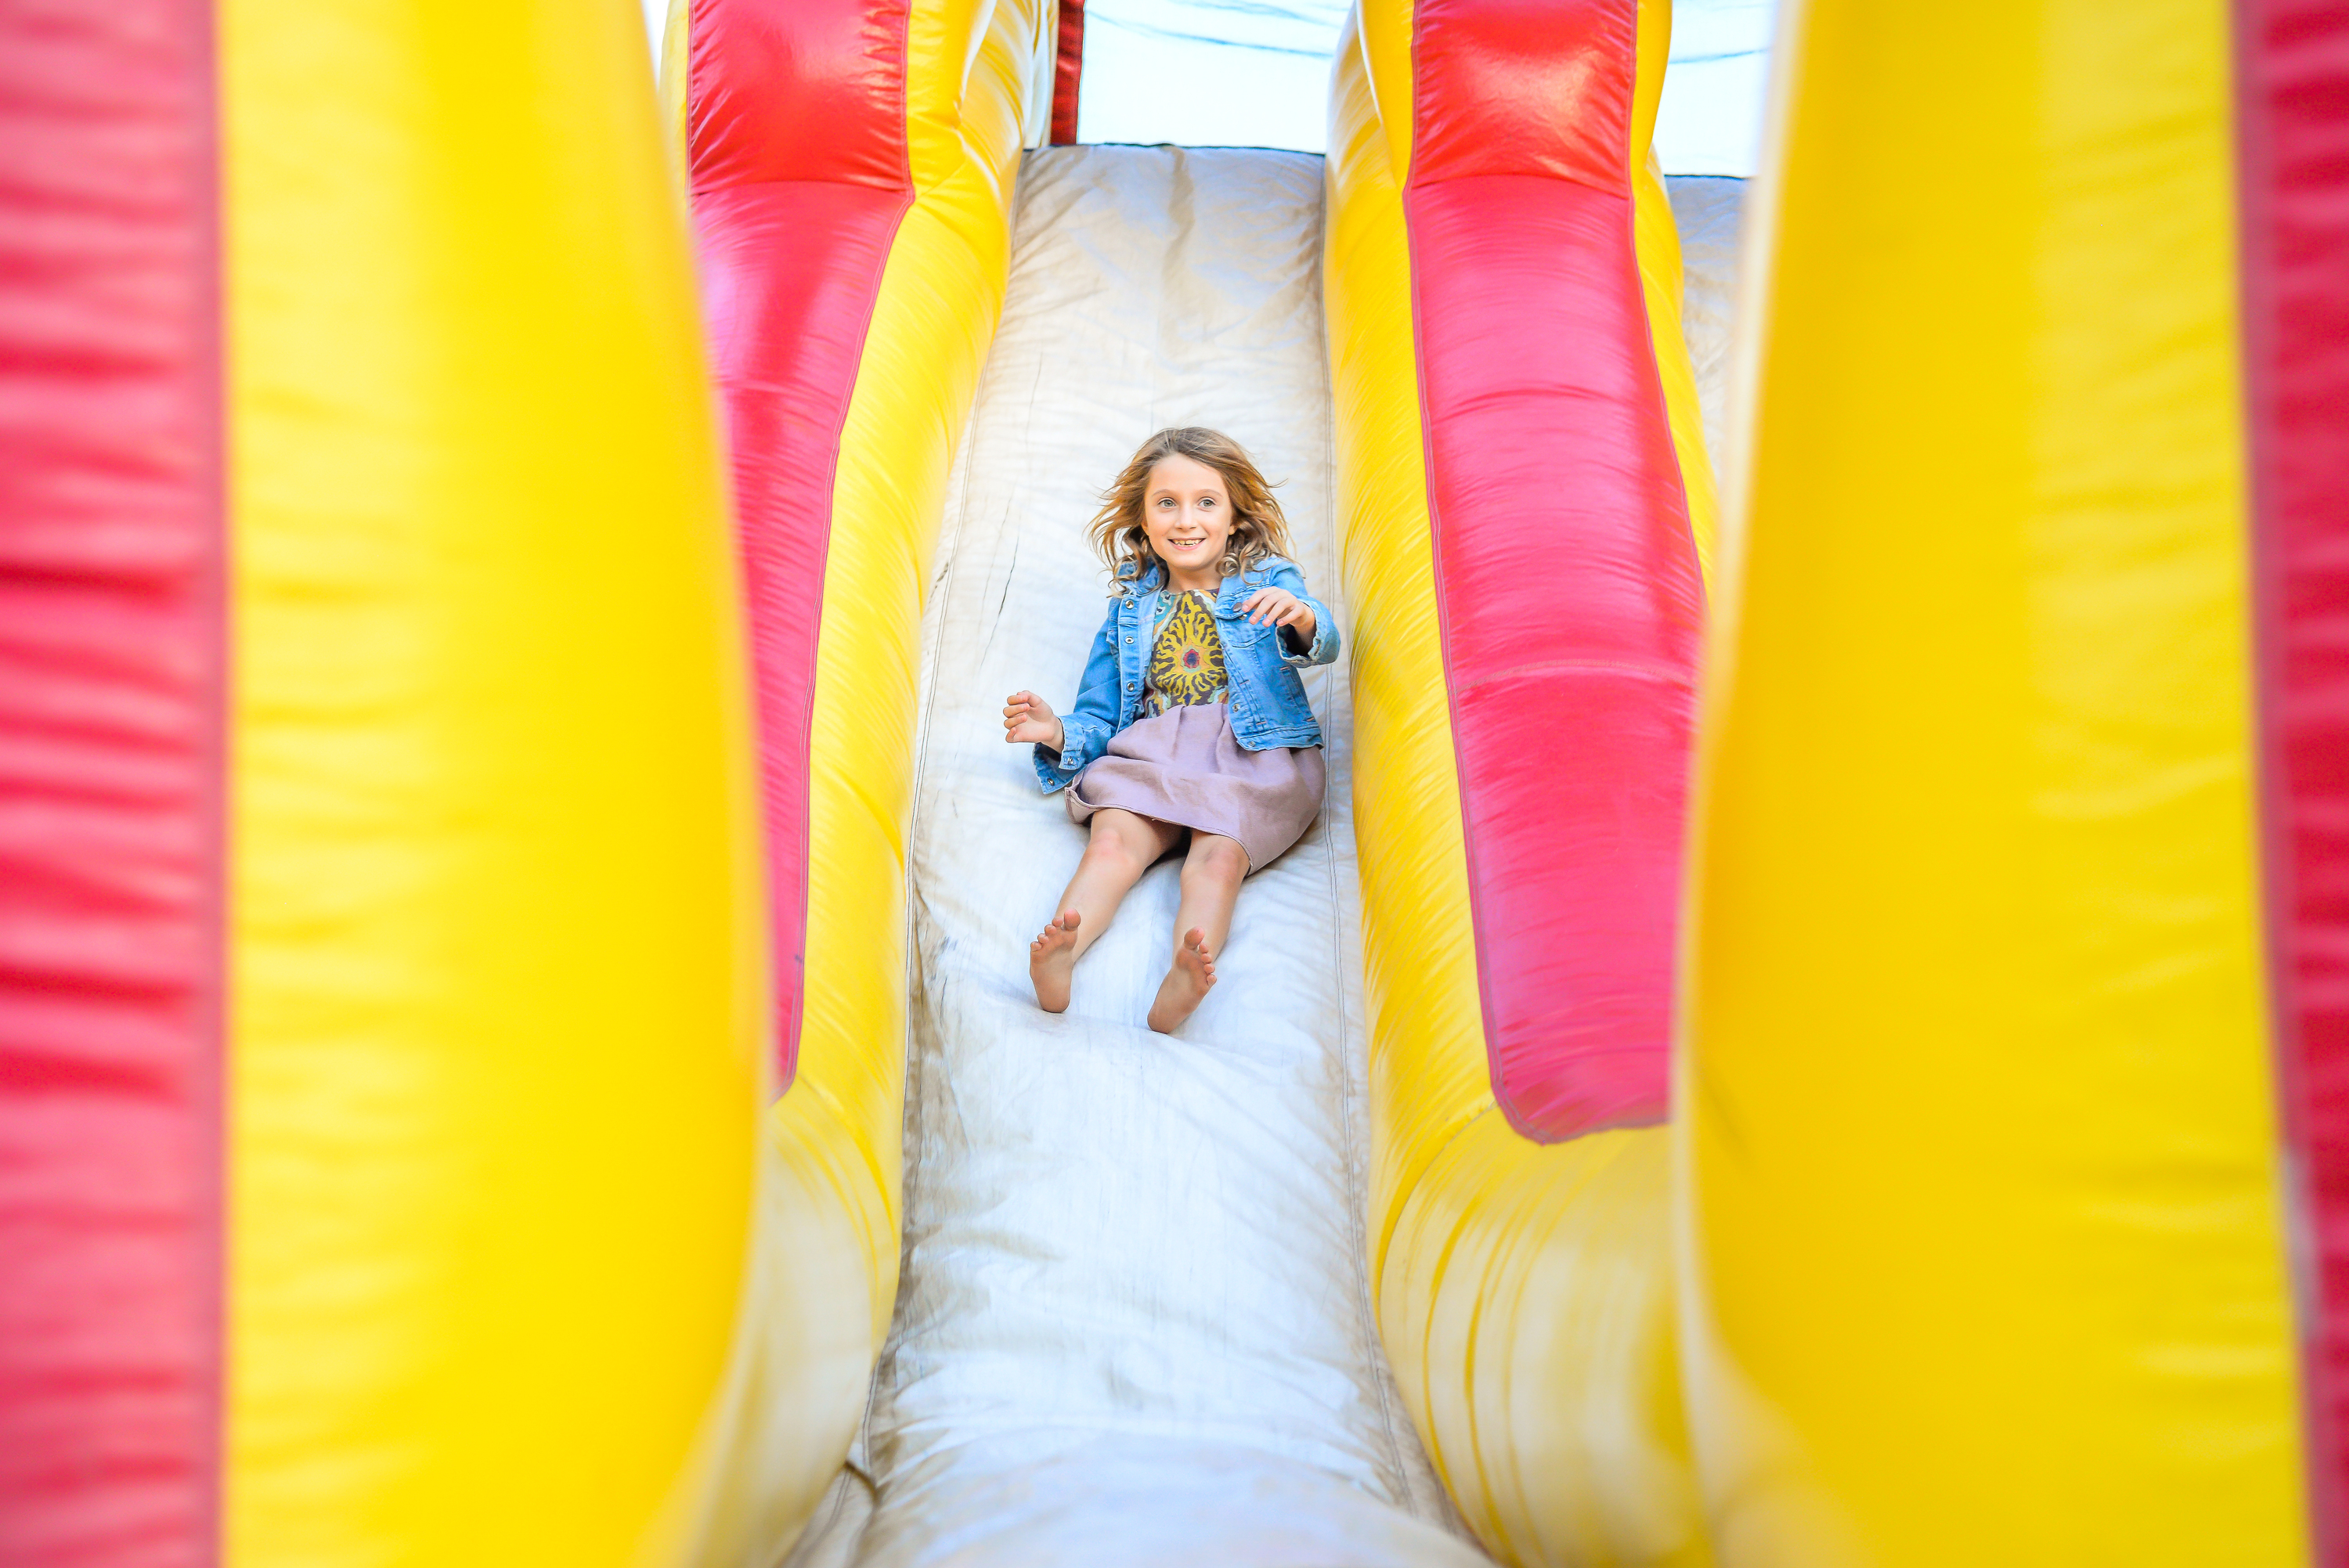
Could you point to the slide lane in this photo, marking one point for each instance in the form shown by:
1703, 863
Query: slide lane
1134, 1323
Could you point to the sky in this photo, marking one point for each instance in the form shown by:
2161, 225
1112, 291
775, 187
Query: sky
1256, 73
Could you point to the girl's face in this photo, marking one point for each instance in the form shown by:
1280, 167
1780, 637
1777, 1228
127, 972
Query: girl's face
1188, 516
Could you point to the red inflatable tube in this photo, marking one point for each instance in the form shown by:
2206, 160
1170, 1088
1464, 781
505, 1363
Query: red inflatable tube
2294, 146
111, 664
1569, 586
1068, 72
796, 136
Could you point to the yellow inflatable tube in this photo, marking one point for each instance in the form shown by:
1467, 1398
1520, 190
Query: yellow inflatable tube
495, 935
1982, 1173
514, 1272
1525, 1288
820, 212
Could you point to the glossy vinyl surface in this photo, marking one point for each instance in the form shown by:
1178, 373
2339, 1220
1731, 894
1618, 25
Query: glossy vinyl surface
414, 752
1068, 71
1524, 1290
931, 319
111, 879
797, 92
847, 320
2292, 132
1566, 576
1978, 1142
497, 941
795, 128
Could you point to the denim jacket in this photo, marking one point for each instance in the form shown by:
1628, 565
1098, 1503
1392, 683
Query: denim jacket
1267, 699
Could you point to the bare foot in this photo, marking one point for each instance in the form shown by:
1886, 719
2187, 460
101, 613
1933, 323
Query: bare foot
1050, 958
1186, 984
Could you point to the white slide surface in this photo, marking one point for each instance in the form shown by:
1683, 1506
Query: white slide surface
1135, 1326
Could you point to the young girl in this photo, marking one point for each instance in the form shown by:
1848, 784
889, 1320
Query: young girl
1190, 717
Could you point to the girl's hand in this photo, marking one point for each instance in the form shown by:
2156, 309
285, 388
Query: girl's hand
1027, 721
1279, 607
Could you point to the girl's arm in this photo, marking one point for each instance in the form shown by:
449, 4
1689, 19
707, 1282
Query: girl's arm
1307, 633
1086, 730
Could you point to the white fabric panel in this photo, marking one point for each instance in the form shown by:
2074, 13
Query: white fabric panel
1134, 1324
1710, 214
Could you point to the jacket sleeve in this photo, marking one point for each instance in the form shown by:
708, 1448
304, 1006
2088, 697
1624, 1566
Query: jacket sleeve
1285, 574
1087, 728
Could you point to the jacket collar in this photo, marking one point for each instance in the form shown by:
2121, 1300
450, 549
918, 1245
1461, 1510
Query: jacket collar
1154, 578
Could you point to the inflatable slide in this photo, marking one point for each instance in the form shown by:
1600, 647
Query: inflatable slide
1803, 1037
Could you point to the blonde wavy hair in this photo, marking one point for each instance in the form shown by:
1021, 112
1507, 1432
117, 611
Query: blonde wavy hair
1260, 528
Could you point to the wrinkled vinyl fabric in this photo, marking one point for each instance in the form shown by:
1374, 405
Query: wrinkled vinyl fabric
1134, 1324
1709, 210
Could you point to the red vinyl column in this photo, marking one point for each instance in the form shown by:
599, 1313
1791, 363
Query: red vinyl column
1566, 580
1068, 72
796, 136
2293, 131
112, 674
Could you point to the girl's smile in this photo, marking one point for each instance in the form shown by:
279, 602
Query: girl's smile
1187, 513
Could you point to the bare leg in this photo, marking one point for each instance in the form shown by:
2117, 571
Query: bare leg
1122, 847
1211, 885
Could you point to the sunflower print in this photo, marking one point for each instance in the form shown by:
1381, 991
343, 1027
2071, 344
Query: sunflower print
1186, 663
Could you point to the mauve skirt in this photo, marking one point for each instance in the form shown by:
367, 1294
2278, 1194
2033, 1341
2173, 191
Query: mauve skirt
1185, 766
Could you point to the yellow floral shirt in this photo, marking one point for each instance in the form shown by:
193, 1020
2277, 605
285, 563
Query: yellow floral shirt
1187, 656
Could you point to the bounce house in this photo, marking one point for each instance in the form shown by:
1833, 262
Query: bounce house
1812, 1030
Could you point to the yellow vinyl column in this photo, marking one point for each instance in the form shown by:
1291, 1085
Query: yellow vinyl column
498, 987
827, 1277
1981, 1168
941, 293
